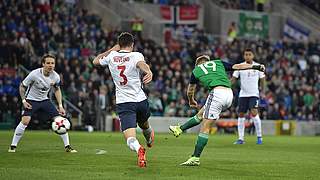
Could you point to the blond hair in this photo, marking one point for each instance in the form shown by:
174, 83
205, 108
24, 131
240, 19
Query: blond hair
202, 59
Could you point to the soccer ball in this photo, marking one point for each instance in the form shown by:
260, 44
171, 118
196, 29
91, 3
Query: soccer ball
60, 125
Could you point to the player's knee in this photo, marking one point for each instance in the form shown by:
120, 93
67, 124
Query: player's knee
25, 123
143, 125
199, 117
241, 114
207, 125
254, 112
25, 120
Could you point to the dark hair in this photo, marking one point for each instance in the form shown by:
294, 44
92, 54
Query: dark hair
248, 50
125, 39
43, 58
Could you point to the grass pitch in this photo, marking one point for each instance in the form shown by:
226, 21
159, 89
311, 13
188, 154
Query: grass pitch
40, 155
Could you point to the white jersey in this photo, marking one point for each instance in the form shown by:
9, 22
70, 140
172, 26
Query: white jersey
249, 81
125, 75
39, 85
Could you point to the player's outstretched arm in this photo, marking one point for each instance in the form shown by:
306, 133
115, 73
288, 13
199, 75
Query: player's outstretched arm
146, 69
96, 60
58, 95
190, 94
248, 66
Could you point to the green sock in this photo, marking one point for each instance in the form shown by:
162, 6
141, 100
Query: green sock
190, 123
201, 143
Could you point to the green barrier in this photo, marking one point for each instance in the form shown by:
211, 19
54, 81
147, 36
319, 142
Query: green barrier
5, 125
8, 122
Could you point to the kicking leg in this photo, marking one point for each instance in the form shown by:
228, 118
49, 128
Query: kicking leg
194, 121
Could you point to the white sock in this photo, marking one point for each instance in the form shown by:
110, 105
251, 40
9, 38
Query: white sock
241, 128
133, 144
147, 133
18, 134
65, 139
257, 125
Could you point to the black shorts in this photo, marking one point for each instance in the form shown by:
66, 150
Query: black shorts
45, 106
132, 112
247, 103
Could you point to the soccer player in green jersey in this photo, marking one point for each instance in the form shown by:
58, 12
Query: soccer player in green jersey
211, 74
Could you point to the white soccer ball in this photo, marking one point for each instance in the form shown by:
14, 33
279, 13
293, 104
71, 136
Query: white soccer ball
60, 125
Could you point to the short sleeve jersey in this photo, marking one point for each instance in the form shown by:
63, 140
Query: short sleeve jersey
125, 75
249, 81
212, 74
39, 85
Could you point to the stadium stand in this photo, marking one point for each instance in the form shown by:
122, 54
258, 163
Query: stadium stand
166, 2
313, 4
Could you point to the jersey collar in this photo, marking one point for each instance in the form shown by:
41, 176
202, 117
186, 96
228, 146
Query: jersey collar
123, 51
42, 72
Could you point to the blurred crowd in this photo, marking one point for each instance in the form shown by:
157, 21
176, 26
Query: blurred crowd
293, 80
250, 5
313, 4
261, 5
29, 29
236, 4
167, 2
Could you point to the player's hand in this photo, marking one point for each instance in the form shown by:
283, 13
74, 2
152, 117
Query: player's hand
193, 104
26, 104
62, 111
147, 78
106, 53
262, 68
116, 47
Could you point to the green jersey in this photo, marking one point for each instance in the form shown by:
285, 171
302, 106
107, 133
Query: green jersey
212, 74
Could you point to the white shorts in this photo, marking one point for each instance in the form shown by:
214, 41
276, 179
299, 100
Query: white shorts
218, 100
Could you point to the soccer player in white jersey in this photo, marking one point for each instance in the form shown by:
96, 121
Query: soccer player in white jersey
249, 96
34, 91
131, 102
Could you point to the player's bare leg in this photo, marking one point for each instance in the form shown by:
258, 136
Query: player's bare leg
201, 143
18, 133
257, 124
134, 145
148, 133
